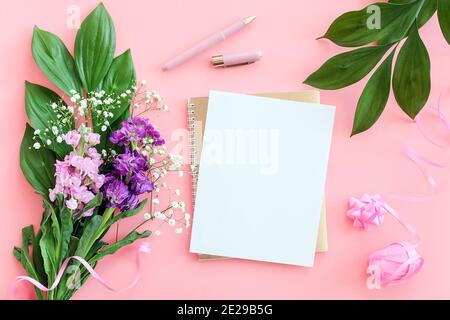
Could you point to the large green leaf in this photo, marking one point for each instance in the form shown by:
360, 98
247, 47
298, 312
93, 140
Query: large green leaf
428, 10
352, 28
38, 100
130, 238
37, 165
411, 80
374, 97
55, 61
346, 68
120, 77
95, 44
444, 18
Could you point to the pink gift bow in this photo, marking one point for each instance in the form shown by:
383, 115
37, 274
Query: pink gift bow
143, 248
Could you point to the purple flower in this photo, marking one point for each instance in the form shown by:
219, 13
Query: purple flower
139, 184
131, 203
128, 163
135, 130
115, 192
118, 137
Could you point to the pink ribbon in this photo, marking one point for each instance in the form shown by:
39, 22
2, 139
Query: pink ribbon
398, 261
441, 116
143, 248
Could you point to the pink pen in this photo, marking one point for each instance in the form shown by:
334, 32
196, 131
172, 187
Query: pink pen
207, 43
236, 59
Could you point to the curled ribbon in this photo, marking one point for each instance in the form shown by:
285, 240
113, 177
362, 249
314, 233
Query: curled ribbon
143, 248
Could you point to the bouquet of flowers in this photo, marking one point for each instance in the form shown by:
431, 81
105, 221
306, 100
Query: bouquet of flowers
92, 157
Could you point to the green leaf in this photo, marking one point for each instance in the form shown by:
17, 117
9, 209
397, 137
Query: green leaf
428, 9
95, 44
411, 80
89, 236
55, 61
73, 244
37, 165
444, 18
358, 28
120, 77
23, 255
38, 102
374, 97
130, 238
38, 261
346, 68
48, 245
66, 229
128, 213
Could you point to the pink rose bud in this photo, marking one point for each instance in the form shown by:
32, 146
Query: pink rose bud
72, 138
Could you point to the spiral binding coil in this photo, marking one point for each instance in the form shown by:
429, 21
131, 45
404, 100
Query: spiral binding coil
193, 149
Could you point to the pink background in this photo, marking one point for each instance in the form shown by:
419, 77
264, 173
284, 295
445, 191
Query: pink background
284, 31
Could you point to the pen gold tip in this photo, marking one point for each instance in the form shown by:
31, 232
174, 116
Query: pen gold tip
249, 19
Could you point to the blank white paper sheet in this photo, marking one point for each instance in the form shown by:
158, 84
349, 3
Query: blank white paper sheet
262, 178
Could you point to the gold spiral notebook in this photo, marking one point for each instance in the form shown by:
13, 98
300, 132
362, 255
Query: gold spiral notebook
197, 110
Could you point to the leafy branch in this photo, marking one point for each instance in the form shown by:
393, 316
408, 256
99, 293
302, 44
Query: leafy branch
411, 82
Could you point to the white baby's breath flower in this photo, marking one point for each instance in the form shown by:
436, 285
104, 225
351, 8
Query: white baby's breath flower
172, 222
143, 82
157, 233
103, 128
37, 132
155, 201
175, 204
49, 142
73, 91
147, 216
59, 139
70, 109
178, 230
180, 173
37, 145
55, 130
187, 216
177, 192
54, 106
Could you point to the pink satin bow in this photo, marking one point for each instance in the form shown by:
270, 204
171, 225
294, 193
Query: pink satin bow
143, 248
